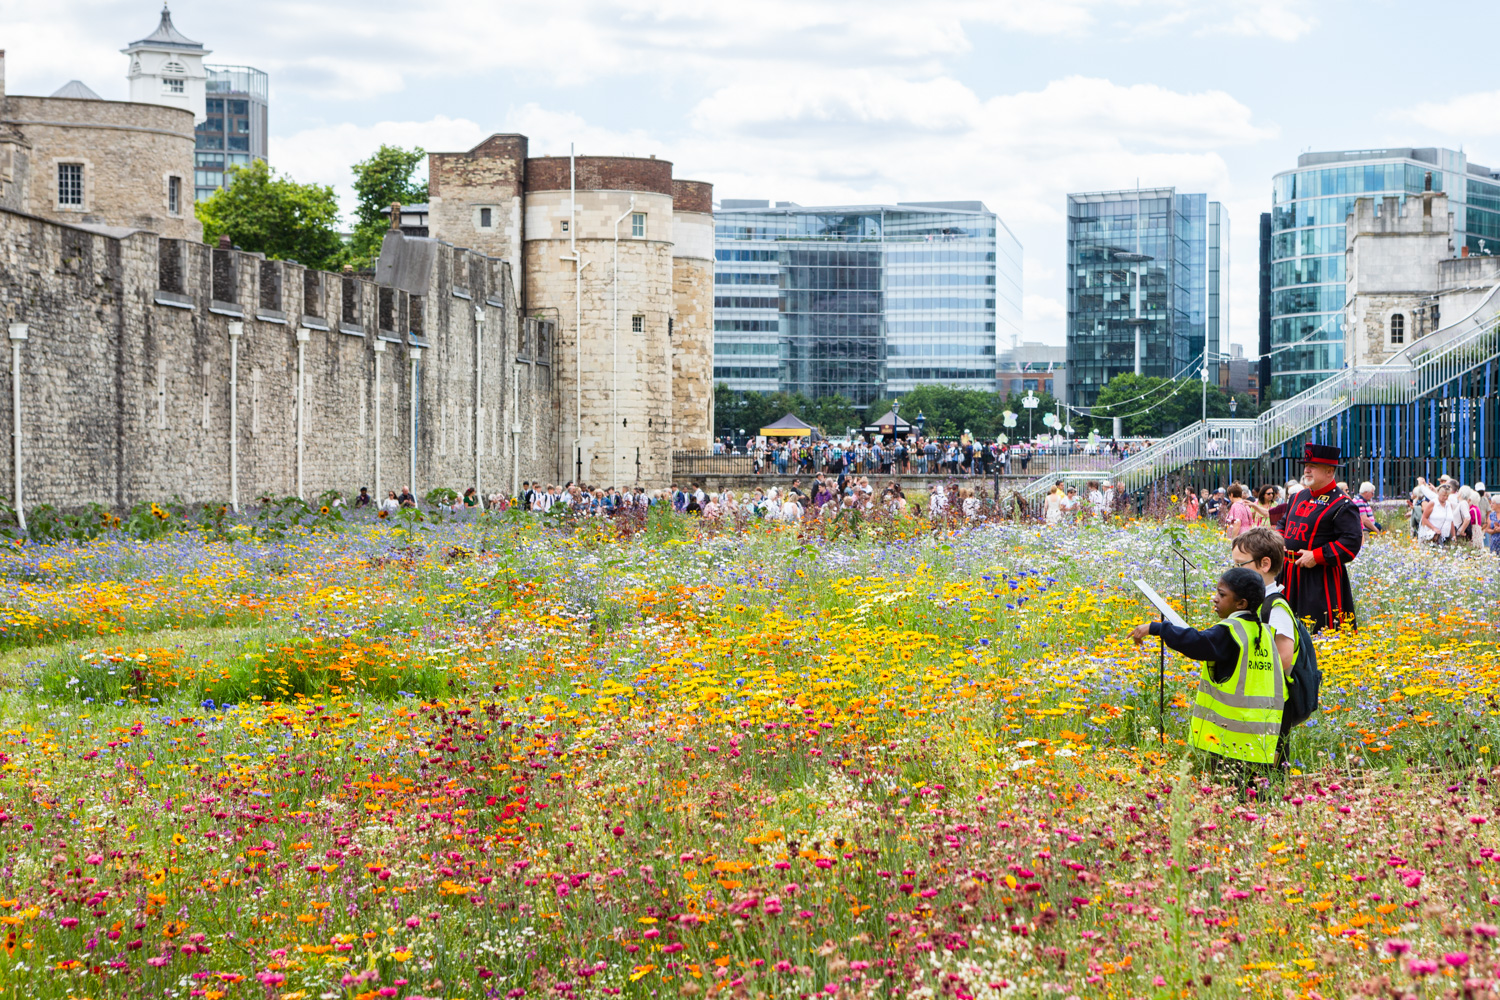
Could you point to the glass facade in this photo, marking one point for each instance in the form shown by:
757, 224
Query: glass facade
1308, 209
235, 128
863, 302
1169, 245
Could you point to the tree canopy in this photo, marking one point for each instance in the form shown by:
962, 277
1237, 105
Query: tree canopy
384, 178
264, 212
948, 411
1151, 406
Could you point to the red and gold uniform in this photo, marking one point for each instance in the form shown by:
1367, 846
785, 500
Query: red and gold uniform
1326, 522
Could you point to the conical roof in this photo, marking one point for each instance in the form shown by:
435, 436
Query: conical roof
77, 90
167, 34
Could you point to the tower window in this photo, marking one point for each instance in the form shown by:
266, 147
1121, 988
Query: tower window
175, 86
565, 225
70, 184
1398, 328
174, 195
638, 224
486, 218
637, 324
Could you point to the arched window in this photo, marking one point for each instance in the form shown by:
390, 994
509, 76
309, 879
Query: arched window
174, 67
1398, 328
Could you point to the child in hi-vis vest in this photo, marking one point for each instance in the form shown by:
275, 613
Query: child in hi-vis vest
1237, 710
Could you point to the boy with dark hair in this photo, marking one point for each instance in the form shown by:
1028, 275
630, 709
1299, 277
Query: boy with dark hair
1238, 707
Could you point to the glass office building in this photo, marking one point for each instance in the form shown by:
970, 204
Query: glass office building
235, 127
1308, 208
1173, 244
862, 301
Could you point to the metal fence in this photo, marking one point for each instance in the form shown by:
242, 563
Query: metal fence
695, 464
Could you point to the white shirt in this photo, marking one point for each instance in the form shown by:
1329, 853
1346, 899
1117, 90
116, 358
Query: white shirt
390, 503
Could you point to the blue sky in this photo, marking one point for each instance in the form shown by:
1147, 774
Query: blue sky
1015, 102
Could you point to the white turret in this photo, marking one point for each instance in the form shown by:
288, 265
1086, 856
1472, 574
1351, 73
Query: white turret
166, 67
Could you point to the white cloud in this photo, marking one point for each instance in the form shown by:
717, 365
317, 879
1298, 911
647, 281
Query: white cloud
832, 138
1467, 114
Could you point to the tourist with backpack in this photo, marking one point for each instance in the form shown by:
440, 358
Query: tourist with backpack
1262, 550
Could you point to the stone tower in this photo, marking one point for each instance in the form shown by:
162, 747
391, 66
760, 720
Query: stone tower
693, 329
623, 273
166, 67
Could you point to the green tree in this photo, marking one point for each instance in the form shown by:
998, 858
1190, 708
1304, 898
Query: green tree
834, 414
1154, 407
385, 178
263, 212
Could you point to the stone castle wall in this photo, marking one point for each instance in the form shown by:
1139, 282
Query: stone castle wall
461, 185
655, 394
129, 367
128, 152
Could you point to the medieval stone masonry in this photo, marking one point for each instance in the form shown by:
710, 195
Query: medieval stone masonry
142, 352
618, 255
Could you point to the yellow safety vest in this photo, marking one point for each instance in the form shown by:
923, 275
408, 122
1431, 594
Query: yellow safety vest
1241, 718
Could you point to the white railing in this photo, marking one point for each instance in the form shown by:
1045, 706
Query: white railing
1429, 363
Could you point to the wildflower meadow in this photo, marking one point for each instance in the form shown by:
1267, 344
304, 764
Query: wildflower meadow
514, 757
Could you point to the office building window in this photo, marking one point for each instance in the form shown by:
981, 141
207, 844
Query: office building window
486, 218
239, 107
174, 195
215, 106
239, 142
175, 86
637, 324
638, 224
1398, 328
208, 159
70, 183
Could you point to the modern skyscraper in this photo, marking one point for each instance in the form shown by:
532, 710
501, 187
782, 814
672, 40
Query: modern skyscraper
1144, 288
235, 128
862, 301
229, 103
1309, 205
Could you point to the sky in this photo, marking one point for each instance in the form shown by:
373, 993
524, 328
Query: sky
1011, 102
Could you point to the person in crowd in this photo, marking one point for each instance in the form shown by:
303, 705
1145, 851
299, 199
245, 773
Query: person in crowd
1095, 500
1052, 506
1440, 516
1322, 534
471, 497
1237, 710
391, 503
1473, 532
1190, 506
1264, 503
406, 498
363, 500
1213, 505
1492, 525
1238, 518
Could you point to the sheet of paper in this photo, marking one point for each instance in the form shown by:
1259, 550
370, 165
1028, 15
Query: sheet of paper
1166, 609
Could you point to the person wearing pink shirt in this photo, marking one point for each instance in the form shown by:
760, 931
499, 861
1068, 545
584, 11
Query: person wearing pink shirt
1240, 516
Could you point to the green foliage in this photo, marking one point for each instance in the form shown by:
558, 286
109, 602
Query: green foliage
441, 497
384, 178
46, 524
263, 212
1155, 407
949, 411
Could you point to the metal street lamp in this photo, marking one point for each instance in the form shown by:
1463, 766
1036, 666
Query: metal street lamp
921, 423
1234, 404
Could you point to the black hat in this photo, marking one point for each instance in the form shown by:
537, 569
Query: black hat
1321, 454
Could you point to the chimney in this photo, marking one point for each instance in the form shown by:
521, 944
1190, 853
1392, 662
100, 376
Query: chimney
1464, 252
2, 74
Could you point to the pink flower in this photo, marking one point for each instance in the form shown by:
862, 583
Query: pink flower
158, 960
1421, 966
68, 923
1397, 947
94, 859
1411, 879
1457, 959
271, 978
1486, 930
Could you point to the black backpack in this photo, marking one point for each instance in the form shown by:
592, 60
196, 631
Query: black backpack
1302, 695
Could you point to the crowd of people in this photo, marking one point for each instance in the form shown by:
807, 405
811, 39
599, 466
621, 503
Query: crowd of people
922, 456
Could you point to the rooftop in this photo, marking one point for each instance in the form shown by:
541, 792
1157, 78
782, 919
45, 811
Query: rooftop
166, 34
76, 90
